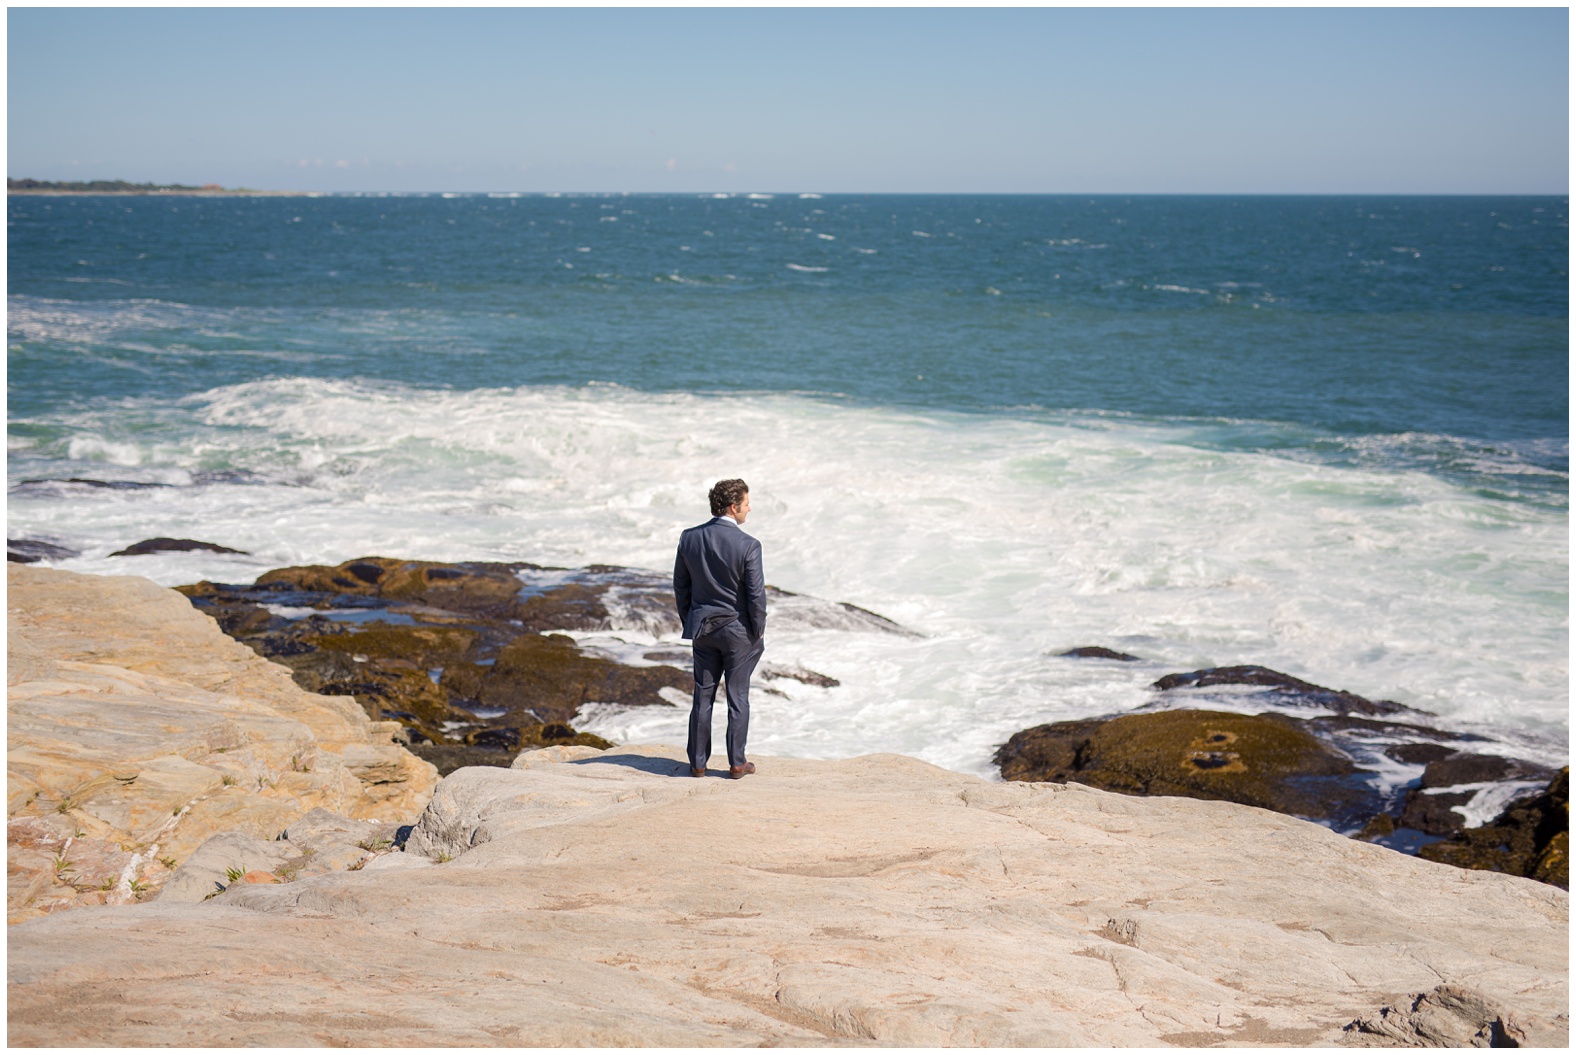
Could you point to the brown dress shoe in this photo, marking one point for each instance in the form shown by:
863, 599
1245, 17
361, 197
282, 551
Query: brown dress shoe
697, 772
739, 771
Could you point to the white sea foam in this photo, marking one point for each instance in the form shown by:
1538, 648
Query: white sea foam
802, 267
1003, 541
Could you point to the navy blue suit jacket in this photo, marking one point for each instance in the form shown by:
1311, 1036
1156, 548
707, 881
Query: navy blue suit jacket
717, 573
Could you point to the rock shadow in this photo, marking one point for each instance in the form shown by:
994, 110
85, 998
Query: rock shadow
656, 766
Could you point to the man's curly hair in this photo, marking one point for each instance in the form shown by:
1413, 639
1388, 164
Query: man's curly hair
725, 494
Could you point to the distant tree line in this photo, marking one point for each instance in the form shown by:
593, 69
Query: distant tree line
100, 185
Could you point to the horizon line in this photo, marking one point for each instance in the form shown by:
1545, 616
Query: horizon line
809, 195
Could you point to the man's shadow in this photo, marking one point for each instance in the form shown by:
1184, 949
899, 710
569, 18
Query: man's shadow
660, 767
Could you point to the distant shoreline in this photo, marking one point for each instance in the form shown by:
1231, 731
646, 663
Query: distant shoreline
53, 193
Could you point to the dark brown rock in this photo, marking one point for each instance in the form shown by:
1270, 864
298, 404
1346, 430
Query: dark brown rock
32, 550
550, 677
1098, 652
771, 671
1531, 838
462, 654
1431, 810
1418, 754
172, 545
500, 746
573, 606
1288, 688
1265, 760
468, 587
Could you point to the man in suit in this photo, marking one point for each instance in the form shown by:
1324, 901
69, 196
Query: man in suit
721, 595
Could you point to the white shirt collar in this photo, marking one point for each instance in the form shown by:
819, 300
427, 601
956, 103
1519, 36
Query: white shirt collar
726, 519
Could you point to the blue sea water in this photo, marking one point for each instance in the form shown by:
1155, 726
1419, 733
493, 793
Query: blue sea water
1324, 434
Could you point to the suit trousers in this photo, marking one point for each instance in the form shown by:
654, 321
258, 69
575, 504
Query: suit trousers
727, 655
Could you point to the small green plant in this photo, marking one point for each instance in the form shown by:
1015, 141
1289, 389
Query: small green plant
138, 887
233, 874
377, 845
169, 862
308, 853
359, 865
176, 812
62, 865
444, 857
67, 804
227, 780
79, 833
108, 884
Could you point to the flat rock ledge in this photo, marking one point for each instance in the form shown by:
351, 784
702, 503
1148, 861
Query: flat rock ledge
599, 898
137, 730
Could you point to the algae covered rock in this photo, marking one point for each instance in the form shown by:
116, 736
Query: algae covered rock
549, 675
471, 658
1531, 838
1264, 760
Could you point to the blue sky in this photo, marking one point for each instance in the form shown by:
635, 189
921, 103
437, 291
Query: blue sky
1156, 100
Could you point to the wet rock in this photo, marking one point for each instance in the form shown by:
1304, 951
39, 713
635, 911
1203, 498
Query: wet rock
32, 550
172, 545
1265, 760
549, 677
500, 746
787, 609
1286, 688
1098, 652
1453, 782
465, 656
772, 671
464, 587
1418, 754
1531, 838
74, 482
574, 606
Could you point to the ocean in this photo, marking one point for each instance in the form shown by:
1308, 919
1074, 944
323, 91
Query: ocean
1327, 435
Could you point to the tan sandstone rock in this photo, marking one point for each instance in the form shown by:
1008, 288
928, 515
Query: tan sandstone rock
137, 730
606, 899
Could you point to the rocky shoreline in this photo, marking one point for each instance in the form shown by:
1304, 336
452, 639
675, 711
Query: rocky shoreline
1375, 770
475, 662
250, 863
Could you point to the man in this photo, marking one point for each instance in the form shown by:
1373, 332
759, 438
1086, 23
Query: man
721, 594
